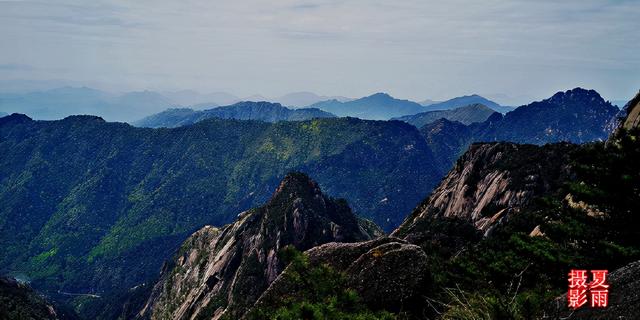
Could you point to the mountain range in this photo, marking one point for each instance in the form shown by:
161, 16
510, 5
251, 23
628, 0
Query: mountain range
263, 111
379, 106
272, 112
108, 204
294, 99
464, 101
59, 103
494, 240
465, 115
576, 115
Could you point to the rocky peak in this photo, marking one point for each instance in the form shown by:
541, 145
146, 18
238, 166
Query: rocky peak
15, 118
632, 113
579, 98
490, 182
578, 95
223, 271
380, 96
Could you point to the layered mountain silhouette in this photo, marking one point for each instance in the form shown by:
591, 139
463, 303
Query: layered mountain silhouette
192, 98
465, 101
263, 111
379, 106
57, 103
92, 208
493, 240
61, 102
303, 99
576, 115
466, 115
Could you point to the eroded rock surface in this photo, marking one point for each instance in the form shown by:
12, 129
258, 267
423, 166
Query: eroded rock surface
387, 273
492, 181
223, 271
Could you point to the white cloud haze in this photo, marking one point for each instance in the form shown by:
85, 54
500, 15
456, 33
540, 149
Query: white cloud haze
412, 49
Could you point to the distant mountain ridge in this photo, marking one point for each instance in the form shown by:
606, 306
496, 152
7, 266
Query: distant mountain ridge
61, 102
576, 115
465, 115
506, 213
263, 111
379, 106
303, 99
467, 100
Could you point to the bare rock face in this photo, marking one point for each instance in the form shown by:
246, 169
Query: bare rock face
387, 273
222, 272
624, 298
492, 181
632, 113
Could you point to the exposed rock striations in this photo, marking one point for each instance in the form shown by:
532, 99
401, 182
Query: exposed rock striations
632, 113
387, 273
223, 271
490, 182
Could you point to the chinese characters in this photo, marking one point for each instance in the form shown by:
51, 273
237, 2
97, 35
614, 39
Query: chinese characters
598, 289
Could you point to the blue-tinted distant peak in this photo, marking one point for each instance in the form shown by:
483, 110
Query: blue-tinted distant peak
380, 95
577, 94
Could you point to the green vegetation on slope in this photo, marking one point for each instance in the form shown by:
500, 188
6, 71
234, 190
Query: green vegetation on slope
320, 293
107, 203
263, 111
590, 223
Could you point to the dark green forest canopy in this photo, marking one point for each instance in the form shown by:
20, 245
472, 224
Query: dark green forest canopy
513, 273
590, 222
88, 205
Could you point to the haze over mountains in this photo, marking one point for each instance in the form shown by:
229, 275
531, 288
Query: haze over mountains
576, 115
57, 103
464, 101
263, 111
109, 203
466, 115
506, 211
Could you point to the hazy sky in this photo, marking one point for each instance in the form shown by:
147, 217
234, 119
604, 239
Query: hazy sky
410, 49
